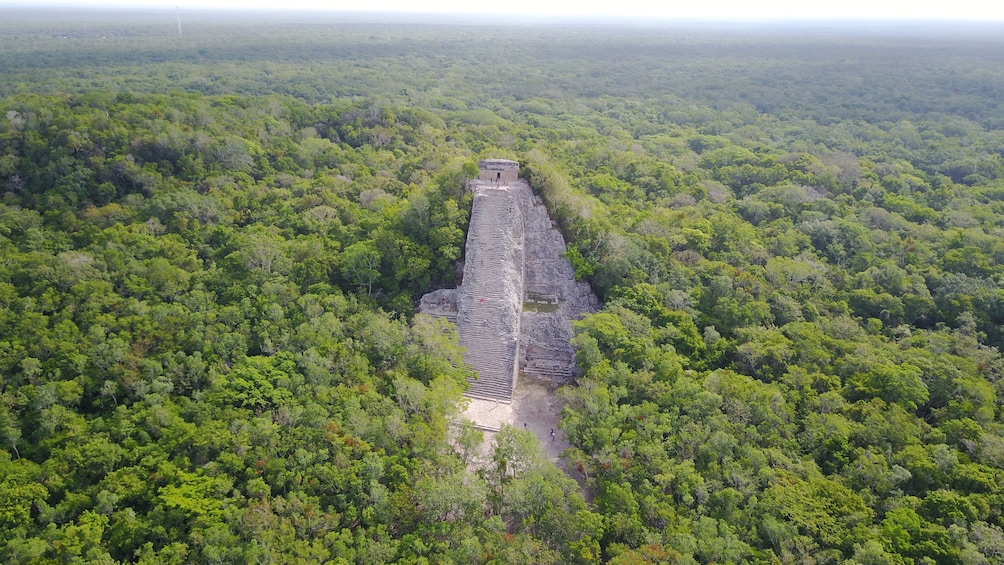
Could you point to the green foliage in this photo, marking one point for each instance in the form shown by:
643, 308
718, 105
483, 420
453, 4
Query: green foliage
896, 384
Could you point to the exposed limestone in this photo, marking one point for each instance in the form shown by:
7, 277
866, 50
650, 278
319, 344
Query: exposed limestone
442, 303
552, 299
514, 308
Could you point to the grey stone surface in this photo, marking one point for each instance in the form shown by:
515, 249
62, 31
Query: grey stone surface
489, 300
441, 303
518, 298
552, 299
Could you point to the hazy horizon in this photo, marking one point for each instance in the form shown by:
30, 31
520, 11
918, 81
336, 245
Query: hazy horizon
723, 11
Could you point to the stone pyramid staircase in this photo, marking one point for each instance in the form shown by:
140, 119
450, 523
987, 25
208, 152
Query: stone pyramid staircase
514, 309
492, 293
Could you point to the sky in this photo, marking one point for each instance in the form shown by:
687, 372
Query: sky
723, 10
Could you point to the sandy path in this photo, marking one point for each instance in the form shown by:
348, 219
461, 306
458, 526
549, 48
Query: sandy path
537, 408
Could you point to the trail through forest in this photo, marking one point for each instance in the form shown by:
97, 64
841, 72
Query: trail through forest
537, 408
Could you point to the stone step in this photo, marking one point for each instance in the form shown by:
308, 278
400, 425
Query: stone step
499, 391
546, 361
547, 367
451, 317
502, 389
548, 375
490, 380
492, 356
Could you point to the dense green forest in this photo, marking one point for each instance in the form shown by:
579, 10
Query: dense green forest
211, 246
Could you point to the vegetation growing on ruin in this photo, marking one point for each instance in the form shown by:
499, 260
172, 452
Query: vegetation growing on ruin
210, 247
